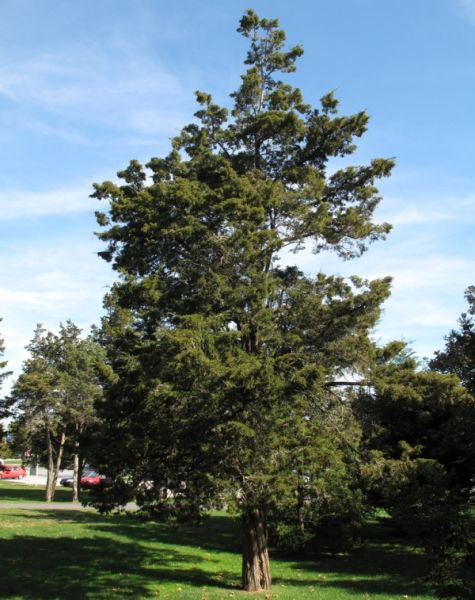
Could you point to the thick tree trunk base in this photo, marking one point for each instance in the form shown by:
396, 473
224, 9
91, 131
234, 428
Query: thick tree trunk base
255, 557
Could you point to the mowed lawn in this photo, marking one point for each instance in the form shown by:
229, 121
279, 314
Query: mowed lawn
81, 554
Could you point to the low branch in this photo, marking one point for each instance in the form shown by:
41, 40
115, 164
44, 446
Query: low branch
361, 383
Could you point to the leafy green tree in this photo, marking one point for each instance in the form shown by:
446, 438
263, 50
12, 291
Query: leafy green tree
413, 413
418, 438
3, 364
226, 364
82, 371
53, 398
459, 354
35, 403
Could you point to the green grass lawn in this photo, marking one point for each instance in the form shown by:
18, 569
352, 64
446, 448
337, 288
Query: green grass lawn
72, 554
21, 492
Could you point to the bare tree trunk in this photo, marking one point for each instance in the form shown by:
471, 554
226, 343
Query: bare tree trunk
255, 556
54, 468
50, 476
300, 509
76, 473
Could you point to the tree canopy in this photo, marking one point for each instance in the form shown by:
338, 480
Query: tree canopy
3, 364
458, 357
53, 399
227, 364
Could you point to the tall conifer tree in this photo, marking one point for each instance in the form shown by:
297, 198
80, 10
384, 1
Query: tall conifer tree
226, 362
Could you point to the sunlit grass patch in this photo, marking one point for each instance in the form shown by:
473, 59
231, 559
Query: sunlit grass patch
73, 554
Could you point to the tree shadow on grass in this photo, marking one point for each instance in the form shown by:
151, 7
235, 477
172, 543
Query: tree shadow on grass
216, 533
20, 492
124, 556
122, 564
384, 564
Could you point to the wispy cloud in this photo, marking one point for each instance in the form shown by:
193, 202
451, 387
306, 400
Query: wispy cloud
119, 90
48, 283
18, 204
428, 211
422, 273
428, 280
415, 216
467, 9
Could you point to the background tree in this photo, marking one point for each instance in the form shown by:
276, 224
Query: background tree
431, 413
418, 439
227, 364
36, 404
3, 364
459, 354
82, 371
5, 450
53, 398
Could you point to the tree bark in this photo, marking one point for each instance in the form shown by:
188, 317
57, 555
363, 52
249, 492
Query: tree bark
53, 469
50, 476
301, 505
76, 474
255, 556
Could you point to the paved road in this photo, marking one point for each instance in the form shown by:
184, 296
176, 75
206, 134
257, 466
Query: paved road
43, 506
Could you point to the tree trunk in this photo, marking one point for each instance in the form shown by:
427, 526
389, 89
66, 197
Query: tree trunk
53, 469
300, 508
50, 476
255, 555
59, 458
76, 474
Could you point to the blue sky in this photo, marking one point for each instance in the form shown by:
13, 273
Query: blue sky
87, 86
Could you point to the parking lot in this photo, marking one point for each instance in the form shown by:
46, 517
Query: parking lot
37, 476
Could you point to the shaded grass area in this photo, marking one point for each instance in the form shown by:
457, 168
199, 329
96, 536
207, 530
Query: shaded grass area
70, 554
21, 492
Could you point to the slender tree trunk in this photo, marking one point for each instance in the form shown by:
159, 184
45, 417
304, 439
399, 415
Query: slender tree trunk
50, 475
76, 473
255, 556
54, 468
300, 509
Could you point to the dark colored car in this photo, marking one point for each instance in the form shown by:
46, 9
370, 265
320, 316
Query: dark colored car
12, 472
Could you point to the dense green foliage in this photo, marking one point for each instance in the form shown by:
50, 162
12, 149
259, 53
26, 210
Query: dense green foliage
53, 399
419, 431
227, 364
3, 364
458, 357
456, 552
417, 413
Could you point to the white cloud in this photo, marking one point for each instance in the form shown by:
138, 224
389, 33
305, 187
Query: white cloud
91, 78
414, 216
467, 9
16, 204
64, 133
427, 211
427, 290
423, 273
41, 300
49, 282
156, 121
119, 90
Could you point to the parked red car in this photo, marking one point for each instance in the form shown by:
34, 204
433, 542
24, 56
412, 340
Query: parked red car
91, 479
12, 472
